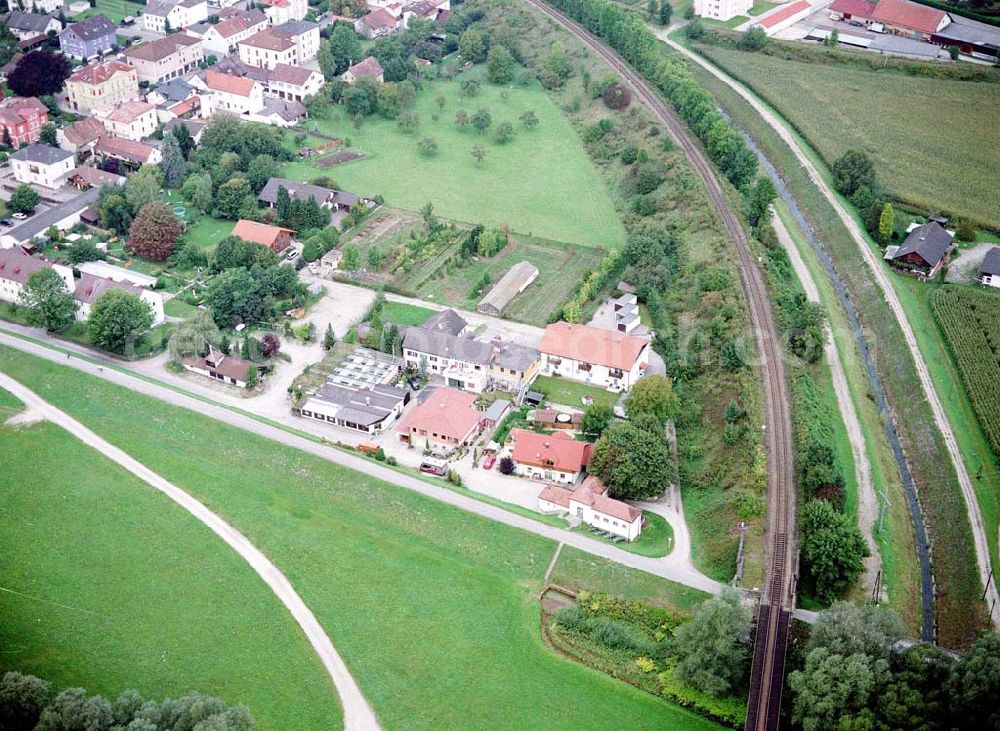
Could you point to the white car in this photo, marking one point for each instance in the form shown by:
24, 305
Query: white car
19, 216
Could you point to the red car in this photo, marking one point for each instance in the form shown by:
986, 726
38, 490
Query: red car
488, 461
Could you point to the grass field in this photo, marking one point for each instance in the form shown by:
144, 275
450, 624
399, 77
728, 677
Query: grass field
114, 10
567, 392
206, 232
109, 585
905, 123
177, 307
424, 602
541, 183
655, 541
404, 314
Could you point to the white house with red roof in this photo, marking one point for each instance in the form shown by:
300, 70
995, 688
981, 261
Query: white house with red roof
445, 420
89, 288
589, 503
602, 358
232, 94
234, 26
132, 120
556, 457
378, 23
282, 11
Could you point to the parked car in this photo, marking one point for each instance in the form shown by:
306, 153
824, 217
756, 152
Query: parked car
19, 216
414, 384
292, 253
489, 460
433, 467
6, 222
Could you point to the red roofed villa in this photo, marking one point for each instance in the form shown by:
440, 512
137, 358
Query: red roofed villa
603, 358
276, 238
551, 457
590, 504
446, 420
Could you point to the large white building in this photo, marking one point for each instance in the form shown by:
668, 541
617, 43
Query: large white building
42, 165
602, 358
132, 120
157, 16
281, 11
722, 9
232, 94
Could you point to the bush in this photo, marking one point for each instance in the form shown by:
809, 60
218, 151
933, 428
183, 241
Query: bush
506, 466
629, 154
616, 96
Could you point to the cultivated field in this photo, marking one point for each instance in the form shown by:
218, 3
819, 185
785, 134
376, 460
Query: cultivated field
109, 585
924, 134
541, 183
433, 609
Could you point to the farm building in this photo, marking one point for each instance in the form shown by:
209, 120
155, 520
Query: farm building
226, 368
511, 284
924, 251
368, 409
989, 271
971, 37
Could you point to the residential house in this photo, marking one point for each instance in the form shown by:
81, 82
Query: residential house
43, 165
909, 19
85, 177
511, 284
297, 190
88, 38
722, 10
448, 322
128, 153
234, 26
194, 127
376, 24
160, 15
63, 216
31, 25
556, 457
174, 99
445, 420
16, 267
282, 11
590, 504
369, 68
81, 136
229, 369
89, 289
131, 120
923, 252
305, 35
276, 238
295, 83
21, 119
232, 94
426, 10
117, 274
280, 112
989, 270
602, 358
102, 85
166, 58
368, 409
268, 48
40, 6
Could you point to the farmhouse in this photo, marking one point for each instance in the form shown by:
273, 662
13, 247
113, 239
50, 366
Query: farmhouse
276, 238
102, 85
88, 38
590, 504
22, 118
129, 153
599, 357
989, 270
369, 68
511, 284
721, 9
226, 368
162, 14
166, 58
445, 420
324, 197
133, 120
31, 25
905, 18
554, 457
370, 409
42, 165
924, 251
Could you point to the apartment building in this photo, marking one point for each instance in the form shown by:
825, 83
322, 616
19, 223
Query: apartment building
88, 38
305, 35
42, 165
102, 85
21, 119
222, 38
159, 16
232, 94
268, 48
133, 120
166, 58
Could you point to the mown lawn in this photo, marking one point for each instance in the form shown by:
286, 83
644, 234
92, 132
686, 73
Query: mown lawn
114, 10
655, 541
109, 585
433, 609
569, 393
404, 314
177, 307
206, 232
908, 125
541, 183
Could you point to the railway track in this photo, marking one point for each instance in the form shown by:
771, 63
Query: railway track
778, 595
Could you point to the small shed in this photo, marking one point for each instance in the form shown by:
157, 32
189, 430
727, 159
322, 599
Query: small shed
495, 413
511, 284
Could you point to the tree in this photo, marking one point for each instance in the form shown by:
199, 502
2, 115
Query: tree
22, 700
833, 550
500, 65
481, 120
953, 52
849, 629
82, 251
329, 339
24, 200
596, 419
193, 336
885, 223
183, 136
48, 300
916, 695
361, 99
504, 133
761, 196
117, 319
472, 45
232, 197
154, 232
283, 206
633, 463
852, 171
713, 649
197, 190
753, 39
252, 376
556, 69
478, 152
832, 690
529, 119
116, 215
143, 187
506, 466
650, 9
260, 170
974, 687
233, 252
39, 73
616, 96
461, 118
269, 345
469, 87
666, 12
47, 135
351, 257
173, 164
237, 296
654, 395
345, 48
428, 148
966, 230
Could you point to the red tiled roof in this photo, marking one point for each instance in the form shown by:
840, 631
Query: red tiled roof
16, 109
230, 26
854, 8
271, 39
369, 67
592, 345
258, 233
606, 505
186, 107
85, 131
128, 112
89, 288
162, 48
100, 73
378, 19
229, 84
124, 149
297, 75
784, 13
447, 412
557, 451
17, 266
908, 15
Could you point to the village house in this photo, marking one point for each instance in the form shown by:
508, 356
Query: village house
217, 365
21, 119
430, 10
174, 99
376, 24
128, 153
304, 35
31, 25
88, 38
160, 15
233, 94
16, 267
989, 270
369, 409
282, 11
276, 238
369, 68
280, 112
590, 504
194, 127
556, 457
102, 85
325, 197
295, 83
81, 136
133, 120
602, 358
444, 421
42, 165
923, 252
165, 58
268, 48
89, 289
222, 38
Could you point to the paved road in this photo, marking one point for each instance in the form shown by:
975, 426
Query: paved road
357, 713
980, 538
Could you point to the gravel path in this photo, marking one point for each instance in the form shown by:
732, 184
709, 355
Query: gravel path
357, 713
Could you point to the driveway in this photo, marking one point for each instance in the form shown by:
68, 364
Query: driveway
964, 267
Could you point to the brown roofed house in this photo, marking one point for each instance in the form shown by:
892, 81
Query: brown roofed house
276, 238
370, 68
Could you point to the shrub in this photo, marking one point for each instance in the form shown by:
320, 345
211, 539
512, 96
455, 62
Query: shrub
616, 96
506, 466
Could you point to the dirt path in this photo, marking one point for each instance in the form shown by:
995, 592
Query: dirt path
867, 500
981, 540
357, 713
